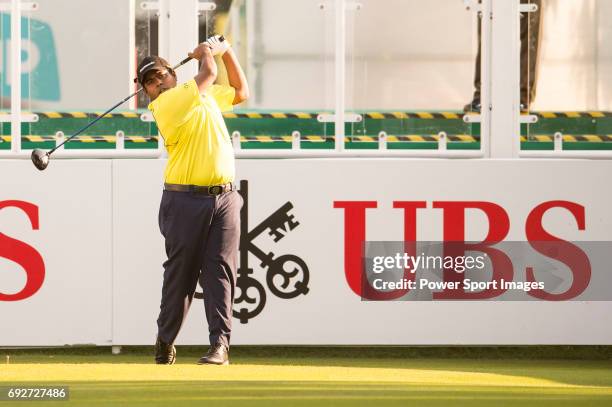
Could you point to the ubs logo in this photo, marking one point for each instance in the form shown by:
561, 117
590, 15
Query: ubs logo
286, 275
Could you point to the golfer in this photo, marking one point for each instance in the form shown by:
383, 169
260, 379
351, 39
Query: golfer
199, 214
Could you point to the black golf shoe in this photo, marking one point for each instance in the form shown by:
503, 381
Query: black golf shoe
165, 354
217, 355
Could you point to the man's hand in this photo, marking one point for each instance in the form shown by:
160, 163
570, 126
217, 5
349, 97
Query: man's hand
218, 44
200, 51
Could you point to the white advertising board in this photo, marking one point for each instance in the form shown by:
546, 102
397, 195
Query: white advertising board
56, 228
297, 211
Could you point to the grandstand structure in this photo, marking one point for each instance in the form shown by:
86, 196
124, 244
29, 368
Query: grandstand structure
324, 82
355, 132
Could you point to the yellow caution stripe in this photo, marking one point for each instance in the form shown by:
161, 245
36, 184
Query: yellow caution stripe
391, 138
459, 116
570, 138
413, 115
270, 115
360, 139
286, 138
86, 115
84, 139
573, 115
304, 115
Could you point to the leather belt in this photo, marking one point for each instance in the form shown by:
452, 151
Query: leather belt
201, 189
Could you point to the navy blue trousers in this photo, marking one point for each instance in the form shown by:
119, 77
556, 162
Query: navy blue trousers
202, 236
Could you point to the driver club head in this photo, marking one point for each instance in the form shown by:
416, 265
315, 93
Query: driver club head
40, 159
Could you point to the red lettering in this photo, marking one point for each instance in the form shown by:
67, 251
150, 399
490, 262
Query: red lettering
454, 246
558, 249
410, 229
23, 254
354, 238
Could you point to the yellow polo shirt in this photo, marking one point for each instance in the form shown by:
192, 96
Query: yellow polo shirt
200, 150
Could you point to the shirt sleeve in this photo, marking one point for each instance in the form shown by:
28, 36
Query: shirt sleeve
224, 96
175, 106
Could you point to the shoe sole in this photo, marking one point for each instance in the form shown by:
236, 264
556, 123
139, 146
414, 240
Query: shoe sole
226, 363
165, 363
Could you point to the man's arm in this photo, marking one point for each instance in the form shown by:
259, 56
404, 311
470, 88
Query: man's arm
208, 68
236, 76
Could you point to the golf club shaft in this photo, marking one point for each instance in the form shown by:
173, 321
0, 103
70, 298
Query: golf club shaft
94, 121
183, 62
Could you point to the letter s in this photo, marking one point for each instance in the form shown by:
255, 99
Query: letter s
558, 249
23, 254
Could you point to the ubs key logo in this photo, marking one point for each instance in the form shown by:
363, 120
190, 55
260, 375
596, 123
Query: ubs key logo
287, 275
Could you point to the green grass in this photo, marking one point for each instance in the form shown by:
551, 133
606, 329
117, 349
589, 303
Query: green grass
355, 376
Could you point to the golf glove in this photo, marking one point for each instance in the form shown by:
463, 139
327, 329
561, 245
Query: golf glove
218, 46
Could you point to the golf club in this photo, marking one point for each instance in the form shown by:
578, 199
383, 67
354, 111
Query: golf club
40, 158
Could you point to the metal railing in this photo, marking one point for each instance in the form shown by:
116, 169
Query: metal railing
500, 73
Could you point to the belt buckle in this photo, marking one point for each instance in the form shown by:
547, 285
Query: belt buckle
215, 190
